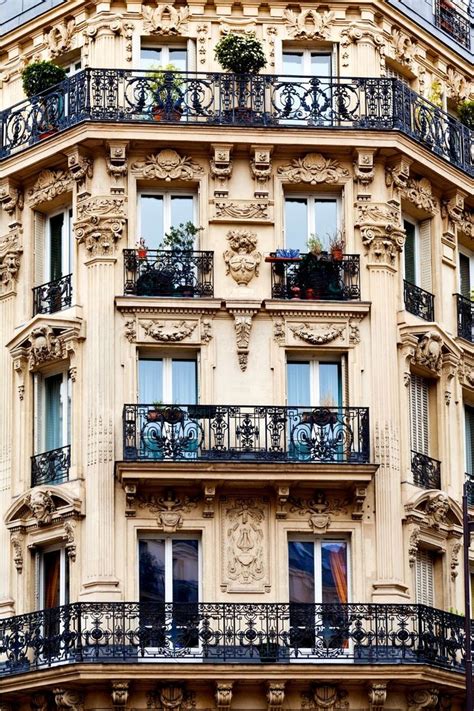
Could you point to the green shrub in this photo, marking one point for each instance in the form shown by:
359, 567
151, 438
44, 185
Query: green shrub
466, 113
240, 54
40, 76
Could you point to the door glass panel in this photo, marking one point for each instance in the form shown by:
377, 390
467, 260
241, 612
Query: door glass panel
52, 579
296, 223
152, 215
410, 265
329, 385
55, 247
152, 570
334, 572
325, 213
301, 570
293, 63
320, 65
178, 57
150, 57
185, 571
150, 380
298, 384
181, 209
53, 412
184, 382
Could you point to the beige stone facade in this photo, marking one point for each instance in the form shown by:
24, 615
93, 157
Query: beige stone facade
300, 512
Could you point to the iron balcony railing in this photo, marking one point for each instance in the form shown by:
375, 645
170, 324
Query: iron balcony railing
54, 296
189, 98
418, 301
246, 433
426, 471
451, 21
465, 312
169, 273
231, 633
327, 278
51, 467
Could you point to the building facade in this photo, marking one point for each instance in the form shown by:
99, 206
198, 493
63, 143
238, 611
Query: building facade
231, 477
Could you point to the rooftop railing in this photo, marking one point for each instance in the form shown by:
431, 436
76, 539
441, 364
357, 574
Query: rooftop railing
190, 98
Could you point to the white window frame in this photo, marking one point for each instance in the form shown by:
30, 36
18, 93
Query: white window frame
66, 242
72, 68
40, 408
167, 195
168, 539
314, 363
416, 224
307, 52
312, 199
167, 383
165, 49
63, 564
317, 541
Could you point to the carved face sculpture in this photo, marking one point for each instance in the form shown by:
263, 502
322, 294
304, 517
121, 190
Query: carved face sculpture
439, 508
41, 506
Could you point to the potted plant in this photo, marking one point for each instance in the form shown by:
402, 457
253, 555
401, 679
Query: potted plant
180, 240
242, 55
165, 85
141, 247
336, 245
37, 79
317, 274
466, 114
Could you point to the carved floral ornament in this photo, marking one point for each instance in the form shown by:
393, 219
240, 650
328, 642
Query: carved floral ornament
100, 223
308, 24
48, 185
168, 331
317, 334
11, 250
244, 523
164, 330
313, 168
168, 508
458, 86
167, 165
242, 259
418, 192
165, 20
403, 47
59, 38
381, 231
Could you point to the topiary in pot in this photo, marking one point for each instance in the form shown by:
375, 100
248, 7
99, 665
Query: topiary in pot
41, 76
242, 55
466, 113
38, 78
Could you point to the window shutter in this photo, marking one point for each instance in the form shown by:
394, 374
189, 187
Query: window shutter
419, 414
39, 227
424, 570
469, 425
38, 393
410, 267
464, 276
425, 256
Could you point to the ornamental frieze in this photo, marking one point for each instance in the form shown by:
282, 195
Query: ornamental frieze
165, 20
168, 330
100, 223
308, 24
242, 210
49, 184
244, 537
314, 168
167, 165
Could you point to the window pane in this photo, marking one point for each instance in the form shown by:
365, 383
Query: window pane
56, 247
465, 276
325, 226
293, 63
52, 579
321, 65
334, 572
301, 571
298, 384
410, 266
185, 571
178, 57
329, 384
296, 223
150, 57
150, 380
53, 412
184, 382
152, 570
181, 209
151, 213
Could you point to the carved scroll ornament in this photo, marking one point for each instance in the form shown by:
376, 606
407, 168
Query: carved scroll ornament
167, 165
314, 168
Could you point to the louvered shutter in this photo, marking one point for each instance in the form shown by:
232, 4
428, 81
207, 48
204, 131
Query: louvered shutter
39, 227
419, 414
425, 256
56, 227
469, 425
424, 571
410, 267
464, 276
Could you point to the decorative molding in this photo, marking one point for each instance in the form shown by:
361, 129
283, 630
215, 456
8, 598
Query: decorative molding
364, 169
221, 166
317, 334
119, 694
242, 209
11, 250
261, 169
168, 331
44, 346
429, 352
381, 231
279, 333
130, 331
41, 506
203, 37
244, 523
171, 697
356, 33
324, 697
223, 695
313, 168
68, 700
69, 536
275, 695
452, 209
17, 545
377, 692
435, 511
418, 192
319, 510
49, 184
108, 25
308, 24
413, 545
100, 223
167, 165
169, 509
242, 326
80, 166
206, 330
11, 197
165, 20
59, 38
242, 259
404, 48
117, 163
422, 699
455, 560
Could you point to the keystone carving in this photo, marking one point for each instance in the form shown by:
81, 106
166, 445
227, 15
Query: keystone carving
59, 38
275, 695
381, 231
308, 24
169, 509
41, 505
223, 695
48, 185
100, 223
324, 697
171, 697
168, 331
167, 165
68, 700
16, 541
319, 510
245, 531
429, 351
318, 333
377, 696
420, 700
242, 259
314, 168
164, 20
44, 346
10, 254
119, 694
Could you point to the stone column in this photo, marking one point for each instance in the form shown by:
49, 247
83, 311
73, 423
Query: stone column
383, 237
99, 226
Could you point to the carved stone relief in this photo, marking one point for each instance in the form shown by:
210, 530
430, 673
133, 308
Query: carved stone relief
165, 20
206, 330
319, 510
44, 346
419, 192
69, 535
221, 166
413, 545
168, 331
242, 259
59, 38
41, 505
356, 33
364, 170
308, 24
261, 169
429, 351
458, 86
119, 694
377, 693
455, 560
324, 697
11, 197
404, 48
245, 541
110, 25
10, 256
381, 231
223, 695
171, 697
317, 334
39, 702
80, 167
466, 225
130, 331
68, 700
17, 545
314, 168
203, 37
242, 209
433, 510
167, 165
275, 695
117, 163
422, 699
242, 327
169, 509
48, 185
100, 223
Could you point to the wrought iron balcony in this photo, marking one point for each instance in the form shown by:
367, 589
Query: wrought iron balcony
190, 98
451, 21
51, 467
246, 433
465, 311
169, 273
418, 301
426, 471
231, 633
54, 296
328, 279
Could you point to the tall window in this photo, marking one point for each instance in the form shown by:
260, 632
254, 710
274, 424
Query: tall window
167, 380
58, 245
52, 412
425, 577
310, 215
466, 273
160, 211
418, 253
419, 414
169, 569
153, 56
314, 383
307, 62
469, 438
53, 577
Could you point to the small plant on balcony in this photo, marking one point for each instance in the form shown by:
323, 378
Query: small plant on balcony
466, 114
141, 247
165, 85
318, 274
336, 245
315, 246
41, 76
181, 238
240, 54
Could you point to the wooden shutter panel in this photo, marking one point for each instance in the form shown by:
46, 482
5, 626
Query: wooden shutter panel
419, 414
424, 583
464, 276
410, 268
39, 228
469, 426
426, 281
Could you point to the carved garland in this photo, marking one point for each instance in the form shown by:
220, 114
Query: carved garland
167, 165
314, 168
165, 20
